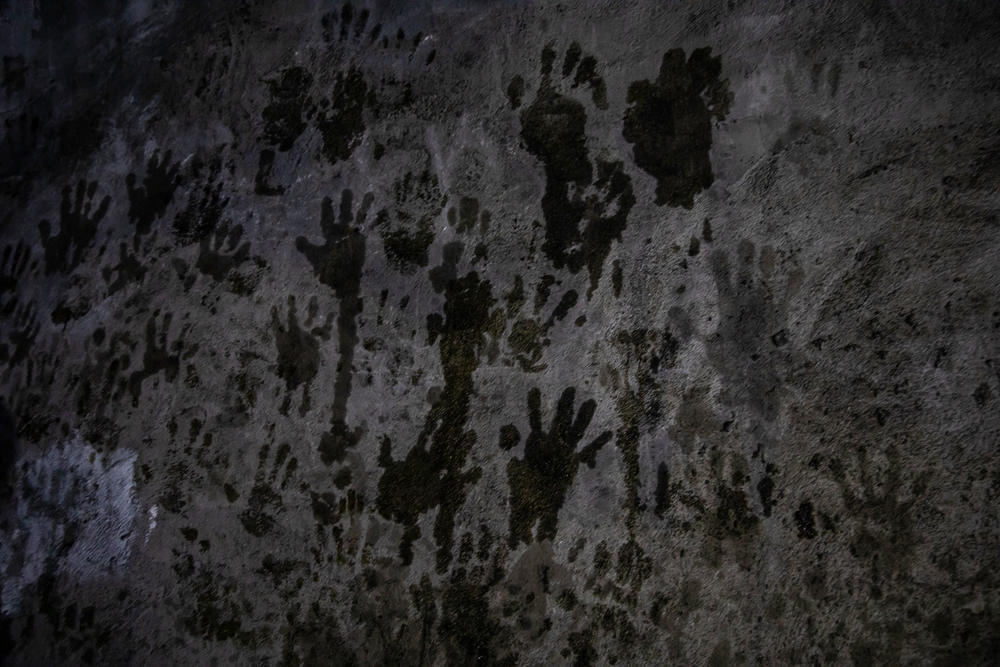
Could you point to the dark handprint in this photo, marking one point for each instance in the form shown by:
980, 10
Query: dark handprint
77, 228
14, 265
540, 479
149, 201
25, 331
224, 253
157, 356
265, 496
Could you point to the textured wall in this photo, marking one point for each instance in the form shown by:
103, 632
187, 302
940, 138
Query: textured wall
499, 332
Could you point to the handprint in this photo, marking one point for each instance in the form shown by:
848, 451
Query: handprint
265, 496
540, 479
669, 123
128, 269
338, 263
14, 265
529, 337
583, 215
77, 228
747, 346
344, 514
407, 225
157, 357
22, 338
225, 252
149, 201
298, 351
206, 204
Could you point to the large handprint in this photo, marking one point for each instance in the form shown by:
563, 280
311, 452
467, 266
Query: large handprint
540, 479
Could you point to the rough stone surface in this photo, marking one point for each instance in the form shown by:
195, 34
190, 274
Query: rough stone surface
448, 332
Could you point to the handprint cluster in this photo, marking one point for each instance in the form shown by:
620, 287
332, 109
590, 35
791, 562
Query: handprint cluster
585, 209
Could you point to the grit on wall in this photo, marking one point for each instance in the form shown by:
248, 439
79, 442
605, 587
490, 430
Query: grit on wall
508, 332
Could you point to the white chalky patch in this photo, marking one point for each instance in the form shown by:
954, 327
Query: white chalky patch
74, 514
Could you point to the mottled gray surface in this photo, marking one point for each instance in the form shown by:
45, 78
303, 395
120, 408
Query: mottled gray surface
499, 332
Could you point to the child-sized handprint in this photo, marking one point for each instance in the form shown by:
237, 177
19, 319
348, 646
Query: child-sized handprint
265, 496
15, 262
540, 479
24, 333
225, 252
159, 356
298, 351
13, 265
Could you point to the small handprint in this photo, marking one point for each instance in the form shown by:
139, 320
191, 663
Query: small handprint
128, 270
206, 204
339, 260
23, 336
265, 496
298, 351
223, 253
529, 337
341, 117
149, 201
350, 24
78, 221
540, 479
159, 356
347, 29
407, 225
15, 264
344, 514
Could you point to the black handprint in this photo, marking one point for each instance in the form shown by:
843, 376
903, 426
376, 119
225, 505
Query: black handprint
341, 118
157, 356
149, 201
529, 337
225, 252
22, 338
540, 479
298, 351
128, 269
265, 497
582, 215
14, 266
77, 228
747, 346
669, 123
206, 204
338, 263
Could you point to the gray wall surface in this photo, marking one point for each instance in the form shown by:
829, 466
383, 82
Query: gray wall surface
527, 333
